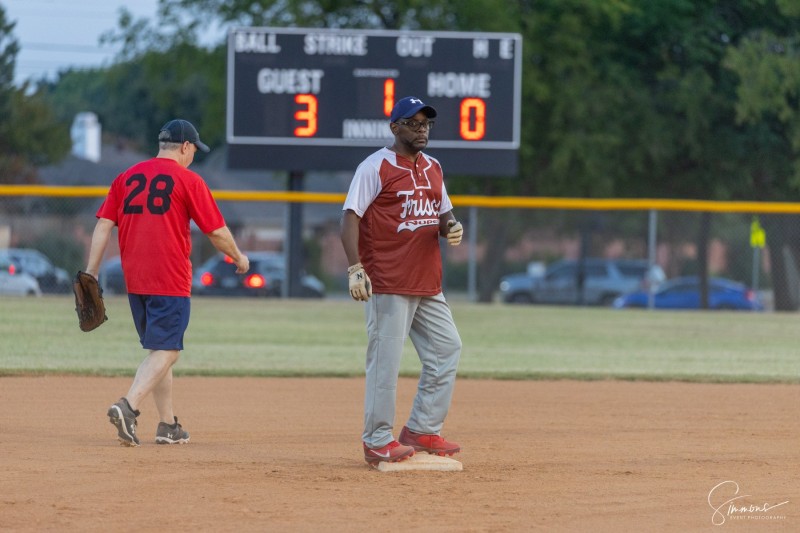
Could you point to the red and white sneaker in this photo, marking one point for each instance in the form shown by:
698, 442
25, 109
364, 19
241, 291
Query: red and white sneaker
433, 444
391, 453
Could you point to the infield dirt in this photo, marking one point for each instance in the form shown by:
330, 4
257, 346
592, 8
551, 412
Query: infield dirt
285, 455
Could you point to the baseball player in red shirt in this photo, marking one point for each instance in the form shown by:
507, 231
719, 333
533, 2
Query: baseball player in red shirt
152, 204
395, 211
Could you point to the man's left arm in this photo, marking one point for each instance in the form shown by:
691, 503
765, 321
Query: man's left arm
450, 228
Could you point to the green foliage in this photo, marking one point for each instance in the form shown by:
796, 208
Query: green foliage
62, 250
134, 99
29, 132
34, 132
312, 257
9, 47
768, 67
389, 14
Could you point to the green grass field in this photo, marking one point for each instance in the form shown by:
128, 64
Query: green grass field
251, 337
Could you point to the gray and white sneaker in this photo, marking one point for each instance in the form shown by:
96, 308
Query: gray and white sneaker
171, 433
124, 418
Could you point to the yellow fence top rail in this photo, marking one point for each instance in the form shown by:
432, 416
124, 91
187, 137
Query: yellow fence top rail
524, 202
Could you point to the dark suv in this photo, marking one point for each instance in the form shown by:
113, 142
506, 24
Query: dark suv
218, 277
603, 281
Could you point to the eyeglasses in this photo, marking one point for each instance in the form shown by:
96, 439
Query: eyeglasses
416, 125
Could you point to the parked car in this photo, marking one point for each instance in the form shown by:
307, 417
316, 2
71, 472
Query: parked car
218, 277
30, 261
603, 281
517, 288
17, 283
684, 293
111, 277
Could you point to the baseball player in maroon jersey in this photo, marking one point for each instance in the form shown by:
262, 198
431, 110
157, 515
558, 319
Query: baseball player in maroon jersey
152, 204
395, 211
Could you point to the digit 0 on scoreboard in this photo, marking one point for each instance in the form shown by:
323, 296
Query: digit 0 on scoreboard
335, 89
473, 119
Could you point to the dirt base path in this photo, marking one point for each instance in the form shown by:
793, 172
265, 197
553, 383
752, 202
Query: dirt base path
285, 455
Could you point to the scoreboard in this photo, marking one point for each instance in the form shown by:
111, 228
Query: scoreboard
320, 99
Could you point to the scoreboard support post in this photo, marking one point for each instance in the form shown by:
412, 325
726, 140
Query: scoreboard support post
293, 253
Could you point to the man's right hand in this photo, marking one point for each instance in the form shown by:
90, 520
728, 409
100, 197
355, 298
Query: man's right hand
243, 264
360, 285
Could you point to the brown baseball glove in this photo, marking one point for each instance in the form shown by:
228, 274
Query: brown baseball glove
88, 301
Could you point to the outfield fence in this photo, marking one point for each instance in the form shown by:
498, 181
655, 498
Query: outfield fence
755, 243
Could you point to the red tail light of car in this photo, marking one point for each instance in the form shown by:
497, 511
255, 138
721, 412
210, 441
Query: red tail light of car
255, 281
750, 295
207, 278
12, 269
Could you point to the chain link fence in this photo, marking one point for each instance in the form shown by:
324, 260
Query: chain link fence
752, 243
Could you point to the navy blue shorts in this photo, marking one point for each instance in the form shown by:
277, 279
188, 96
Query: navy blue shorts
160, 321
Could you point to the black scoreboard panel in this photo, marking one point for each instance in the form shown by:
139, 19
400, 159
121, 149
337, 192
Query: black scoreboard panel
318, 99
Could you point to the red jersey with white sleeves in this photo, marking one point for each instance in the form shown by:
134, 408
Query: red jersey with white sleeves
399, 202
152, 203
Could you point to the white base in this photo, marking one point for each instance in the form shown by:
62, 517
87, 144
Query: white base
422, 461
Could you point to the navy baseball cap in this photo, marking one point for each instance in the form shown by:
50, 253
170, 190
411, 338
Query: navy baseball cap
408, 107
180, 131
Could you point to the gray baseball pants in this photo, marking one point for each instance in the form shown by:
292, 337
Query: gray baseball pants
391, 318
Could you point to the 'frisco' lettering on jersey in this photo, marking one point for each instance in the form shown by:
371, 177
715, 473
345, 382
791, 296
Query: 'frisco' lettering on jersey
423, 211
424, 207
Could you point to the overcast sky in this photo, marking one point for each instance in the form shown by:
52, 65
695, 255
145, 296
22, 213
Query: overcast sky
56, 34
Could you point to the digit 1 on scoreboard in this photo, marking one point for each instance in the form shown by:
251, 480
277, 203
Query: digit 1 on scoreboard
472, 131
388, 96
307, 115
